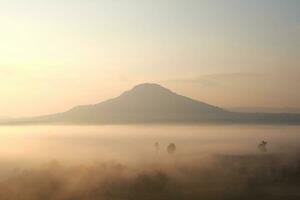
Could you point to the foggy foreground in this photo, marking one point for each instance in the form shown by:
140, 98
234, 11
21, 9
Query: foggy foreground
132, 162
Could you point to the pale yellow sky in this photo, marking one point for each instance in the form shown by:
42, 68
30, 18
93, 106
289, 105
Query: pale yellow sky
58, 54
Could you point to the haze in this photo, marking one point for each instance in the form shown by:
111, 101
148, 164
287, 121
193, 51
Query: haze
135, 144
58, 54
121, 162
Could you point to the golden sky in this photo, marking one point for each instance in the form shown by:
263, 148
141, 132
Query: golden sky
58, 54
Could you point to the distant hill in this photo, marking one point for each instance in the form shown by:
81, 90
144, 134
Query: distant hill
152, 103
266, 109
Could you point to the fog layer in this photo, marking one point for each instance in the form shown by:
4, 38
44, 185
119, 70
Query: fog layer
125, 162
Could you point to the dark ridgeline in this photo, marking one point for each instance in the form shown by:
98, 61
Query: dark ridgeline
152, 103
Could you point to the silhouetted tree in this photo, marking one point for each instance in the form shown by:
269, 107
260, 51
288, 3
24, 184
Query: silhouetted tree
263, 146
156, 145
171, 148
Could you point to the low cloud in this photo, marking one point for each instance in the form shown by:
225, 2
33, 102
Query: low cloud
234, 75
215, 79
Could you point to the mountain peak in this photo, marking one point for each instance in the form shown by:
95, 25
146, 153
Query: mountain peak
148, 89
151, 86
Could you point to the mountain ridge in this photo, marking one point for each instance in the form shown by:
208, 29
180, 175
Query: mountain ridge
152, 103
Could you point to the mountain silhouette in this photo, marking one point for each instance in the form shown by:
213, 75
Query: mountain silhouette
144, 103
152, 103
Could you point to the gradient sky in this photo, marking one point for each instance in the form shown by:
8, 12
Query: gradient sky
55, 54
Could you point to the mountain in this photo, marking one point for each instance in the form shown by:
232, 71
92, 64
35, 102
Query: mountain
152, 103
144, 103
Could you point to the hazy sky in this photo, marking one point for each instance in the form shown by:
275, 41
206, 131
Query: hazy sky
55, 54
